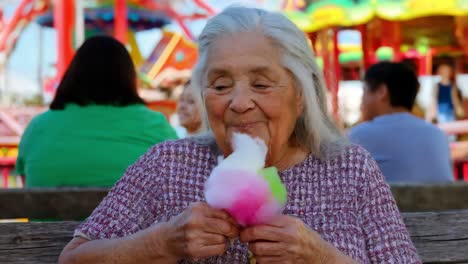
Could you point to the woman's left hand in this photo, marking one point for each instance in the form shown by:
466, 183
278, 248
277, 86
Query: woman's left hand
289, 240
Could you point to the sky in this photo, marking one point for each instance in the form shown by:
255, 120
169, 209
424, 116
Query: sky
24, 71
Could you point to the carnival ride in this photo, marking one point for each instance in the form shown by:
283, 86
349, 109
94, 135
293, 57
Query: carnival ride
10, 30
75, 20
117, 17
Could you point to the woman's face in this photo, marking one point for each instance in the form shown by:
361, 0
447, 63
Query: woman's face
188, 110
248, 91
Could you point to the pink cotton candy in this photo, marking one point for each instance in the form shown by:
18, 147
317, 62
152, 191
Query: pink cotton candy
249, 199
245, 195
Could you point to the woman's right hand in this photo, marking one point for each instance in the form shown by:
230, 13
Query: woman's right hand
200, 231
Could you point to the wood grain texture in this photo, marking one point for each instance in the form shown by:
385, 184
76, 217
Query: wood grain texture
64, 204
34, 242
421, 198
78, 203
440, 237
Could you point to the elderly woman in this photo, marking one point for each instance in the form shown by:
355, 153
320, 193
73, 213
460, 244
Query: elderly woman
256, 75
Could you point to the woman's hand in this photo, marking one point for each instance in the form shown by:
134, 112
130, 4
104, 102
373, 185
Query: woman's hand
199, 232
288, 240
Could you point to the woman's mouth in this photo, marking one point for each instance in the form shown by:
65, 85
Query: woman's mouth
244, 126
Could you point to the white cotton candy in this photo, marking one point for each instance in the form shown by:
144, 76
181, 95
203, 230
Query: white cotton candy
248, 154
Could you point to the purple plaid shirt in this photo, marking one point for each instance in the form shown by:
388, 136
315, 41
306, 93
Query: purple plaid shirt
345, 199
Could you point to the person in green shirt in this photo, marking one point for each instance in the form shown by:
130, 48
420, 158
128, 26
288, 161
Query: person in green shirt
97, 124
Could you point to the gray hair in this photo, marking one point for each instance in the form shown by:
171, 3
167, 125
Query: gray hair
314, 129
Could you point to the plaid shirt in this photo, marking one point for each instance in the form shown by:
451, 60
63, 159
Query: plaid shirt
345, 199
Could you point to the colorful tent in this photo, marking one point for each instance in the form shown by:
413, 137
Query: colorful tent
329, 13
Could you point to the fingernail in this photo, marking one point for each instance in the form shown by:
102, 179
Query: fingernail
231, 241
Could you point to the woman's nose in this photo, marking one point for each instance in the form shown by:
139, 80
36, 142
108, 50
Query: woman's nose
241, 101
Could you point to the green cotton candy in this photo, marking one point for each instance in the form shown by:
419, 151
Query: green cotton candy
277, 187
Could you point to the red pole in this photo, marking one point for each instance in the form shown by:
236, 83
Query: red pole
121, 22
366, 52
331, 65
63, 23
5, 173
422, 65
397, 41
327, 62
391, 37
336, 85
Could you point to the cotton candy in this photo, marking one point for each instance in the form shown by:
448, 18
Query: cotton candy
240, 185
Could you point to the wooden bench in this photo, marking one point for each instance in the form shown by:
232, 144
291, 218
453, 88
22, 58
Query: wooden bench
77, 204
439, 238
420, 198
65, 204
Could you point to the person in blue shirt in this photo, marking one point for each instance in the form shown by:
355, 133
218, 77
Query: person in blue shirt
406, 148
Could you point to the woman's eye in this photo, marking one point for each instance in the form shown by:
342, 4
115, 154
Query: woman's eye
220, 87
261, 86
221, 84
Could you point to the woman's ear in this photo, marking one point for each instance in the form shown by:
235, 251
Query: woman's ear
300, 102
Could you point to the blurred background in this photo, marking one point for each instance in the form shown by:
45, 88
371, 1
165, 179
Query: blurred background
38, 39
